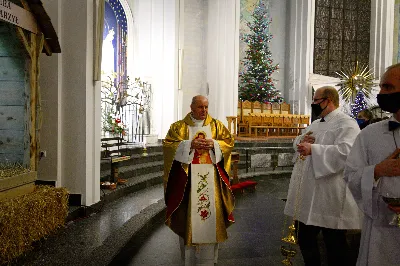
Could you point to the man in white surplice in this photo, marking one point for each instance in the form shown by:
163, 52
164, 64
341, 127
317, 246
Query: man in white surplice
196, 181
373, 171
318, 196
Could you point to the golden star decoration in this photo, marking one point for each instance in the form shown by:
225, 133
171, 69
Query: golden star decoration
354, 80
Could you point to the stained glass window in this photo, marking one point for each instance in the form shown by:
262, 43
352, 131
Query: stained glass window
114, 52
342, 34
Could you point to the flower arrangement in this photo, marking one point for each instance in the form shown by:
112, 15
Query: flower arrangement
114, 126
118, 91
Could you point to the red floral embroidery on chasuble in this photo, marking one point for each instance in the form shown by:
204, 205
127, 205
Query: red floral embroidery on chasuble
204, 214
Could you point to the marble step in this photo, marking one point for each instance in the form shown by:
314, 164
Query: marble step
98, 238
264, 143
258, 150
134, 170
135, 159
274, 162
150, 148
134, 184
134, 148
277, 173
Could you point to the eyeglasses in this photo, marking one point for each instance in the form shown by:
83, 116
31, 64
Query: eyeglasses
319, 99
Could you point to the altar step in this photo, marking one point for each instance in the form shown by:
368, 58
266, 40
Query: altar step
97, 238
145, 171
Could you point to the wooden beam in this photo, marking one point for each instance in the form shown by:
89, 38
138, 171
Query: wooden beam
37, 41
47, 48
25, 5
32, 128
24, 40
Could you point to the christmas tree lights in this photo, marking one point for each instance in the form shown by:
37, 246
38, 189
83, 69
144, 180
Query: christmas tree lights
256, 82
358, 105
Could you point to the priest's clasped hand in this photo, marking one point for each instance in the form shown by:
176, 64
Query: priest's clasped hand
304, 148
202, 144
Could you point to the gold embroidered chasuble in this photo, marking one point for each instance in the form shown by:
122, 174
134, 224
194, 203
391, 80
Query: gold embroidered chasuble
177, 180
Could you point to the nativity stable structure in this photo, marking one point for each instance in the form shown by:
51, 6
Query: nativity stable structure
28, 212
25, 32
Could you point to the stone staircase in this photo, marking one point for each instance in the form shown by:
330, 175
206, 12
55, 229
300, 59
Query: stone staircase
98, 234
140, 171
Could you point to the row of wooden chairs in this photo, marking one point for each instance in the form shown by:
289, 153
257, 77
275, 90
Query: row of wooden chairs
247, 107
273, 124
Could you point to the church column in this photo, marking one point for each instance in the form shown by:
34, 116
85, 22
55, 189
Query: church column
80, 103
301, 45
71, 103
382, 23
223, 57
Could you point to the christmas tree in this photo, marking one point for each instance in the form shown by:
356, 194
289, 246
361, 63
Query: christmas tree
256, 83
358, 105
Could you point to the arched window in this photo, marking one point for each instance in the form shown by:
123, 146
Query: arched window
114, 50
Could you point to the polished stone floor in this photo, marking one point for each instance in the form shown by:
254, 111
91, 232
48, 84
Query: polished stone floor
253, 240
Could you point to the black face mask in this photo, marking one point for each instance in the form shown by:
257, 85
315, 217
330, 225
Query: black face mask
317, 109
389, 102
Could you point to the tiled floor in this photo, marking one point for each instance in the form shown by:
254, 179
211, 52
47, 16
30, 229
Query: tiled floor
253, 240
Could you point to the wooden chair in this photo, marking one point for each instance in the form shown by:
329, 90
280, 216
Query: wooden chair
296, 125
277, 124
266, 108
276, 108
255, 121
267, 122
261, 122
239, 111
304, 121
285, 108
243, 125
246, 108
256, 107
287, 125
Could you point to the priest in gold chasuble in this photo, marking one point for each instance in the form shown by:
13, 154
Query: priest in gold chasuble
196, 182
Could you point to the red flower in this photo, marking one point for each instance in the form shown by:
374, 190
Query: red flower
117, 120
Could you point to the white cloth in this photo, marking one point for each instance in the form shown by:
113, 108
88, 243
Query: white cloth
380, 242
324, 199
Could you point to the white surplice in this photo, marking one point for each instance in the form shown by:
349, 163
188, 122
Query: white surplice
324, 199
380, 242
